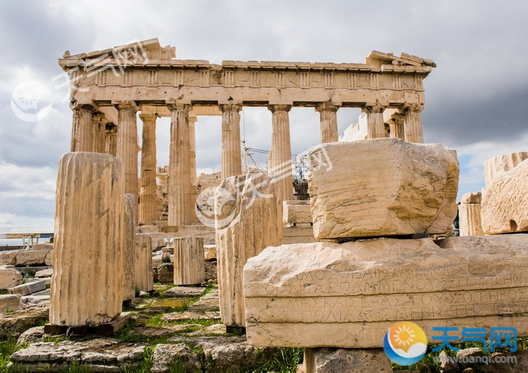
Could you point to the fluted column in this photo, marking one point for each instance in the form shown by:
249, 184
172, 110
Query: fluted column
82, 128
189, 262
127, 145
111, 139
231, 151
99, 133
87, 283
280, 164
375, 124
396, 124
148, 209
469, 218
328, 117
179, 166
413, 123
194, 179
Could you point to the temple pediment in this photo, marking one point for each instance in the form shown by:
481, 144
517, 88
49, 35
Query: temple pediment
140, 51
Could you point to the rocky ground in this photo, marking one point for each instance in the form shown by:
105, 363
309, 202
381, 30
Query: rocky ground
178, 330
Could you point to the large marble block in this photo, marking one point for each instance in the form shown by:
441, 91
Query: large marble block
87, 282
347, 295
505, 202
383, 187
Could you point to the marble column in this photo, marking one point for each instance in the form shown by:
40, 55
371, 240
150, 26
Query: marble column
148, 209
396, 124
99, 133
194, 178
82, 128
413, 123
328, 117
127, 145
375, 124
469, 218
111, 139
179, 166
87, 283
189, 262
231, 150
280, 164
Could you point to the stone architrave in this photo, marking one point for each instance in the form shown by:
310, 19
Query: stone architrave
470, 222
189, 262
87, 282
143, 263
247, 221
495, 166
129, 248
382, 187
505, 202
347, 295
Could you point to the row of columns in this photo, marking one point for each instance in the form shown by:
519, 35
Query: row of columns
91, 133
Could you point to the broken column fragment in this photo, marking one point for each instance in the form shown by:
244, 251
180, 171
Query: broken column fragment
87, 282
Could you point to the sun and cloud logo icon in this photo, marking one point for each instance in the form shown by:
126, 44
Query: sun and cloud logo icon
405, 343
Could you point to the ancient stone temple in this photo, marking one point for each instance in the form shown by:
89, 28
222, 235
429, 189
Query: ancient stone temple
110, 87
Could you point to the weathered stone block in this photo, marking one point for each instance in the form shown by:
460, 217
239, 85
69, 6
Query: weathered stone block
87, 283
143, 263
32, 257
332, 360
10, 302
495, 166
252, 213
9, 277
347, 295
29, 288
8, 257
505, 202
383, 187
189, 262
296, 212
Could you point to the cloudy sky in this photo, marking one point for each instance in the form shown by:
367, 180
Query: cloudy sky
476, 99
